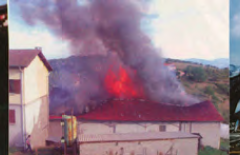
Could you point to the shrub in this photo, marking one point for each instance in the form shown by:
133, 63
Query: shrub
211, 151
208, 90
223, 88
196, 73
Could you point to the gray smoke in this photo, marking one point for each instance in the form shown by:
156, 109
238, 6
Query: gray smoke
109, 25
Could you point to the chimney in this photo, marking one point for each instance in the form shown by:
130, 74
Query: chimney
38, 48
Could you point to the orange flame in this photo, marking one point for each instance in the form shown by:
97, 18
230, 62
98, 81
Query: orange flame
121, 85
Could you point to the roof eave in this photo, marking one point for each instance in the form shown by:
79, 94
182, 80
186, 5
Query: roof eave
44, 60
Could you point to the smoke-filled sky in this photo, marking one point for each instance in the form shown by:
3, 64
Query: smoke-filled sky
181, 28
235, 32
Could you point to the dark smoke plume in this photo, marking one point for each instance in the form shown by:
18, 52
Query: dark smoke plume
109, 25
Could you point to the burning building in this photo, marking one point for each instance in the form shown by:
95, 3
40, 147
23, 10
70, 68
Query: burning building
136, 125
130, 120
133, 100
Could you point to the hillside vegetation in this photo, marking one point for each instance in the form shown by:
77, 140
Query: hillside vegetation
206, 83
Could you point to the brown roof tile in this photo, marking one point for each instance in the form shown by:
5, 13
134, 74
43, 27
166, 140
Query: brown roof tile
23, 57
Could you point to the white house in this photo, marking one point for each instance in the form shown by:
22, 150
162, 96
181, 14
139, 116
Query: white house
28, 97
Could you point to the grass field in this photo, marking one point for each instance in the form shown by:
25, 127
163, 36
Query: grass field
40, 151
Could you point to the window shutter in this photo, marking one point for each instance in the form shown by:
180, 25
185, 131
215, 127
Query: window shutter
12, 116
15, 86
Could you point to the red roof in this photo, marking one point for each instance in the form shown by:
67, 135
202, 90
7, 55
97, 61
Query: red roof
22, 58
117, 110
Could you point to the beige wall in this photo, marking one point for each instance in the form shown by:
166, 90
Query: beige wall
55, 129
186, 126
15, 129
105, 128
188, 146
14, 74
210, 131
96, 128
14, 99
35, 81
37, 121
36, 103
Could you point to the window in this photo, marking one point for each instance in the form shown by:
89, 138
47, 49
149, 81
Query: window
12, 116
162, 128
14, 86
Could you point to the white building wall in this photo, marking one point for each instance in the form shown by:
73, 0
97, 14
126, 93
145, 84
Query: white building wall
186, 126
55, 129
210, 131
105, 128
94, 128
15, 129
129, 128
35, 81
188, 146
36, 104
32, 113
37, 121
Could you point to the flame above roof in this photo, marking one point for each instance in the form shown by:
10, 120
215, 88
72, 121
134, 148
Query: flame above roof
140, 110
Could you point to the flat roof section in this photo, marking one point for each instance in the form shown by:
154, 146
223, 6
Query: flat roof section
87, 138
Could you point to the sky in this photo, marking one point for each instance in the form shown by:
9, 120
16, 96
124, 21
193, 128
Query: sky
235, 32
2, 2
180, 28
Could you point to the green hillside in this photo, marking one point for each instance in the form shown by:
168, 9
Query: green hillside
205, 83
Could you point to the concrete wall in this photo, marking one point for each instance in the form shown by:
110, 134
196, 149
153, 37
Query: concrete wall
35, 81
37, 121
15, 129
55, 129
186, 127
107, 127
210, 131
179, 147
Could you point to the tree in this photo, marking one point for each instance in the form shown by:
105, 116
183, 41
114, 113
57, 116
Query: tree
199, 74
196, 73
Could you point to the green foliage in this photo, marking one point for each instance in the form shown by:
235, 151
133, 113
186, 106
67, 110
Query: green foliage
196, 73
209, 90
223, 88
211, 151
224, 144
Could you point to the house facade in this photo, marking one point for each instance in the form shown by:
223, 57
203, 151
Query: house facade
28, 97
